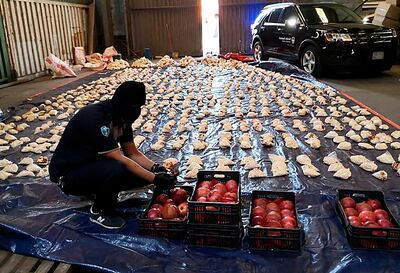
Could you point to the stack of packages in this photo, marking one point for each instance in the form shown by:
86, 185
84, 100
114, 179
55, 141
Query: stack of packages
388, 14
97, 61
215, 211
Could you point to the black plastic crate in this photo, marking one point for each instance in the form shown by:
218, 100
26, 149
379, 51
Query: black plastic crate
368, 242
163, 228
231, 230
215, 212
220, 236
176, 234
268, 238
366, 237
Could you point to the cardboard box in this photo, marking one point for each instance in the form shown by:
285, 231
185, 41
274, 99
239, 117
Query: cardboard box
389, 11
394, 2
383, 21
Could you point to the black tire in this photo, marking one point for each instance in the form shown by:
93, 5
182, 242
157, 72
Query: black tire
310, 61
258, 52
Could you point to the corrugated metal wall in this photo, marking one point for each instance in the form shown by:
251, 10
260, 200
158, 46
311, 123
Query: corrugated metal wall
164, 26
83, 2
235, 18
35, 28
4, 61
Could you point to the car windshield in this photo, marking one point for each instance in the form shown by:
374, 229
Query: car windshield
325, 14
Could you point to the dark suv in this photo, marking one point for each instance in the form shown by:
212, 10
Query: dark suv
322, 36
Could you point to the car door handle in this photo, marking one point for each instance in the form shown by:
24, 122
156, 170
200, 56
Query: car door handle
279, 29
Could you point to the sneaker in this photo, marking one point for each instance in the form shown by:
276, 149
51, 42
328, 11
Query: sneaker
107, 221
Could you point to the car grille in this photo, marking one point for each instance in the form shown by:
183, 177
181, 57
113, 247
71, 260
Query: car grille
372, 38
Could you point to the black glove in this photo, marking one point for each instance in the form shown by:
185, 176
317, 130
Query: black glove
164, 180
158, 168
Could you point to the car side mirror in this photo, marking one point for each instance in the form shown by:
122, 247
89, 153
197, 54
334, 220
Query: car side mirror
292, 23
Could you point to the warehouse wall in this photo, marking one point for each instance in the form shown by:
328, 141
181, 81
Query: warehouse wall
235, 18
164, 26
119, 26
34, 29
83, 2
103, 25
110, 25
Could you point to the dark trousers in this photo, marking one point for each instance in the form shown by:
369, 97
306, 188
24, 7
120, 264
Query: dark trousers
101, 181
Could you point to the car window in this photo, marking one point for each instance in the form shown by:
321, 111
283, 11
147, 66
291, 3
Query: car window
289, 13
264, 13
323, 14
275, 14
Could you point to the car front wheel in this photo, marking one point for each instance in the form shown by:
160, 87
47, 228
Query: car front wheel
258, 52
310, 61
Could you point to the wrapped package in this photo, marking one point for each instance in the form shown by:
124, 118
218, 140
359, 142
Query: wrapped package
59, 68
79, 55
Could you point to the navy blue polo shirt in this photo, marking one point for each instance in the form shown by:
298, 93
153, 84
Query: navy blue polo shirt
88, 135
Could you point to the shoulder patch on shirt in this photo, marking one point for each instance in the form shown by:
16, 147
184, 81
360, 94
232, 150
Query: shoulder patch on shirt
105, 131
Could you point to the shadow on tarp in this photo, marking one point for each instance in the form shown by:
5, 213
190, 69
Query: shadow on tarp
37, 219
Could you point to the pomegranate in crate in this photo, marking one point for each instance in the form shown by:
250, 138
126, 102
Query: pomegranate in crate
367, 220
172, 207
215, 191
167, 213
273, 223
216, 199
278, 213
367, 213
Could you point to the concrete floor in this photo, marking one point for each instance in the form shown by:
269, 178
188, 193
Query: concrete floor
380, 92
16, 94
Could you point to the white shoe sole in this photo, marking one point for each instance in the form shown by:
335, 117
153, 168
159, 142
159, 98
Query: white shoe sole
107, 227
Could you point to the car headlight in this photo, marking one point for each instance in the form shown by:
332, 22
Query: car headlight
394, 33
337, 37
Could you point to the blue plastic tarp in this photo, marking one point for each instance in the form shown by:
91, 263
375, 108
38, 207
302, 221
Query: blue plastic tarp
37, 219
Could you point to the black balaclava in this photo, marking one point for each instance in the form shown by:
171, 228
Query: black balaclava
126, 102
